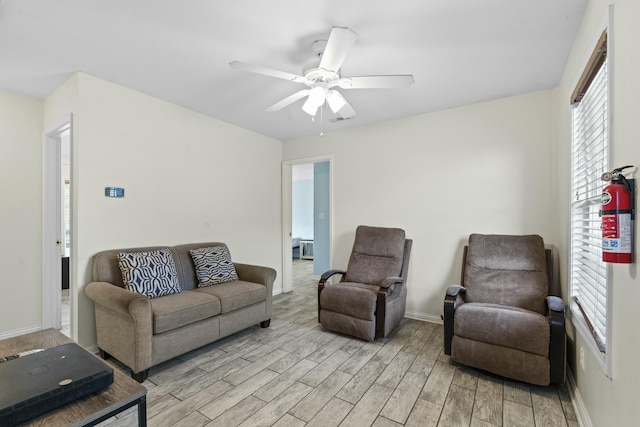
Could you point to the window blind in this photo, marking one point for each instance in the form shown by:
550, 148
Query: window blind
590, 121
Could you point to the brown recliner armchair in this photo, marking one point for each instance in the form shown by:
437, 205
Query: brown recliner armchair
370, 299
502, 319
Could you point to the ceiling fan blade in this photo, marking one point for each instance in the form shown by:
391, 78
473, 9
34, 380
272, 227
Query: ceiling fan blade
376, 82
259, 69
288, 100
338, 46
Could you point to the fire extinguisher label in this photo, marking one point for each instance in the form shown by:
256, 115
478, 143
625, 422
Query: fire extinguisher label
616, 233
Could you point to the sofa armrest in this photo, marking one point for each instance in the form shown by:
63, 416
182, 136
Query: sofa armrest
124, 324
452, 298
256, 274
262, 275
116, 298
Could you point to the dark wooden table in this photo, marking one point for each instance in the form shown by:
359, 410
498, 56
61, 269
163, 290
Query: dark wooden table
119, 396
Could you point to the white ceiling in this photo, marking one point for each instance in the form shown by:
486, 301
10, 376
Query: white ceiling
459, 51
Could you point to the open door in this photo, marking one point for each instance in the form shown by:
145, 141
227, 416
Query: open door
56, 226
316, 231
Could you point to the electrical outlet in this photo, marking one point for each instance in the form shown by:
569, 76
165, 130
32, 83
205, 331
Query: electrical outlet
582, 358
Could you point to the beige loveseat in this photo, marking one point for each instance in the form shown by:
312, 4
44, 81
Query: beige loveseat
142, 332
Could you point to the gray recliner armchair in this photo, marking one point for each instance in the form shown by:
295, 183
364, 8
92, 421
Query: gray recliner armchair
503, 319
370, 299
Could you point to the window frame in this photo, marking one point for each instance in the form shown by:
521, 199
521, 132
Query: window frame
601, 56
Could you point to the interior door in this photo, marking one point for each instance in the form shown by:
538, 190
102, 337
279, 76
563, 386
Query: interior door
56, 146
322, 217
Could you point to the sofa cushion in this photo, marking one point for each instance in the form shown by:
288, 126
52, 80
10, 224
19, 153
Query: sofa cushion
235, 295
213, 265
151, 273
173, 311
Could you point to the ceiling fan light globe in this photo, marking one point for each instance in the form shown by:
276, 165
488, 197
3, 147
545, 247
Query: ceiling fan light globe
310, 107
335, 100
317, 95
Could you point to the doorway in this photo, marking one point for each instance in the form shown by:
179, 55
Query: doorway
307, 218
57, 283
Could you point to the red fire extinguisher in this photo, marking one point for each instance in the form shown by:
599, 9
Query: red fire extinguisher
617, 214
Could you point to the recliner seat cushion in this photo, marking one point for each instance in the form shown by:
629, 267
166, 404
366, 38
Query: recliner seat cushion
351, 299
235, 295
504, 326
507, 270
176, 310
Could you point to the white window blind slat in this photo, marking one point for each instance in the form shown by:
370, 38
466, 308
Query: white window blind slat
589, 162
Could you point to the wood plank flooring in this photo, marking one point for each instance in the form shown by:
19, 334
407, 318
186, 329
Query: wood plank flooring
294, 373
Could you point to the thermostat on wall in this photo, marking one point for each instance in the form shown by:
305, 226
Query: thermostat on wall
114, 192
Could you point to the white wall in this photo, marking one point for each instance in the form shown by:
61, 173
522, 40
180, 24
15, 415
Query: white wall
484, 168
187, 178
606, 401
20, 212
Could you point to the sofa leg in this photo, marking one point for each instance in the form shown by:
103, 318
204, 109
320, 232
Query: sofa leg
140, 376
265, 323
103, 354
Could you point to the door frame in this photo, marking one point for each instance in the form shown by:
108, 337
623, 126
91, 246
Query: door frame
287, 220
52, 239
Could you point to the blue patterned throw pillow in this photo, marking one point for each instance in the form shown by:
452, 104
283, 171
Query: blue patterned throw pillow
150, 273
213, 265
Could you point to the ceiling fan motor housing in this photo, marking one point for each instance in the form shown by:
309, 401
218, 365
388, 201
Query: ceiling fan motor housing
314, 74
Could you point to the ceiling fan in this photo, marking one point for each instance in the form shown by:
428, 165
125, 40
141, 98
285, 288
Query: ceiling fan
323, 77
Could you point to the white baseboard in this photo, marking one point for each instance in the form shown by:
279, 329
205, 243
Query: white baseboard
433, 318
578, 404
16, 332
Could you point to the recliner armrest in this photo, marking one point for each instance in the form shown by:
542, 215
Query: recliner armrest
555, 304
454, 293
323, 279
558, 340
327, 275
391, 281
454, 290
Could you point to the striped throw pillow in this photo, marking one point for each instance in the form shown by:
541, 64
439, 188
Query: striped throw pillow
150, 273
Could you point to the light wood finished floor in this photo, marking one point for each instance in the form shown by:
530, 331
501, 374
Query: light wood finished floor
296, 374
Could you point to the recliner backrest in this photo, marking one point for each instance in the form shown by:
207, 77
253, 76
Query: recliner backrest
507, 270
377, 253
